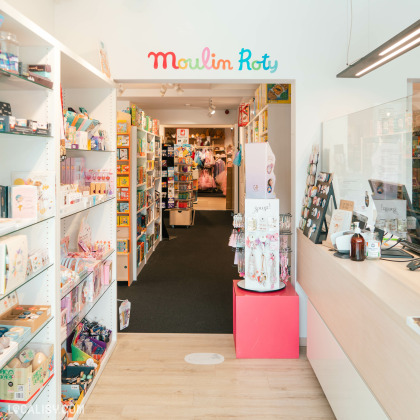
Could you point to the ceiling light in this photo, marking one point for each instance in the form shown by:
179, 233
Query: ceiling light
389, 57
178, 89
396, 46
212, 108
163, 89
121, 89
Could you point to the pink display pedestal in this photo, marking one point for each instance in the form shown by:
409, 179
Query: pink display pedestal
266, 325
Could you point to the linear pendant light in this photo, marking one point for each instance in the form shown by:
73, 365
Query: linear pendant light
405, 41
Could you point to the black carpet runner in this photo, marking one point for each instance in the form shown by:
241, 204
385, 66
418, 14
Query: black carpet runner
186, 286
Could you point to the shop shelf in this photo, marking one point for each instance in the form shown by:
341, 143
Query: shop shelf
90, 151
23, 224
77, 208
143, 208
104, 362
25, 409
84, 312
27, 280
151, 187
123, 173
141, 185
25, 135
24, 343
142, 264
65, 291
11, 81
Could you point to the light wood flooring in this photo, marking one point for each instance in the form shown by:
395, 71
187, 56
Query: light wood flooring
148, 379
211, 203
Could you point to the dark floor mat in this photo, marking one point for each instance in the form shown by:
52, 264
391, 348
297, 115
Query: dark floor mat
186, 286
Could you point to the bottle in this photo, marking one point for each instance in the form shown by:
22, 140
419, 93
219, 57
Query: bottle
373, 245
358, 246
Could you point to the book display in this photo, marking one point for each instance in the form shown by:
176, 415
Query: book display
57, 226
140, 169
182, 212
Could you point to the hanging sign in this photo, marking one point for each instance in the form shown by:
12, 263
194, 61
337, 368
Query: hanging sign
245, 61
182, 135
124, 311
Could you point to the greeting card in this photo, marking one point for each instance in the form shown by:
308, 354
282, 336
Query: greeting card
13, 262
45, 183
24, 202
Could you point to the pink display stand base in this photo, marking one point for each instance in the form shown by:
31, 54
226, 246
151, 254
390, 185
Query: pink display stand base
266, 325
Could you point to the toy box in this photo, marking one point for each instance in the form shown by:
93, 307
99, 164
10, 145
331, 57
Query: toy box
107, 275
19, 384
32, 316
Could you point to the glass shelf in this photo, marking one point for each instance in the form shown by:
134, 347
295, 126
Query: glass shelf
65, 292
27, 280
77, 208
84, 312
27, 407
15, 81
23, 343
22, 225
42, 136
86, 150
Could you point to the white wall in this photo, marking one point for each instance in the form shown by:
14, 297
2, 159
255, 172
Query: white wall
309, 38
39, 11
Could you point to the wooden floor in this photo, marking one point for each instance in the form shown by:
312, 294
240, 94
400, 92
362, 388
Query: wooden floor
148, 379
211, 203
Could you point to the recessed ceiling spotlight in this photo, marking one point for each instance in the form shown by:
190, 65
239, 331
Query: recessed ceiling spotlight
178, 89
163, 89
187, 104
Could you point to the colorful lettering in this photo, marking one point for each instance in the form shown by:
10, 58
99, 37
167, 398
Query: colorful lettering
165, 61
209, 61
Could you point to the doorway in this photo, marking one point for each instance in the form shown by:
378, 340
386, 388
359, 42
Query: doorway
186, 286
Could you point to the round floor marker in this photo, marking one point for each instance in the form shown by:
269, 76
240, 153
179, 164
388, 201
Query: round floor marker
204, 358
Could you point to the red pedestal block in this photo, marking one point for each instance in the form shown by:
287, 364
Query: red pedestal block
266, 325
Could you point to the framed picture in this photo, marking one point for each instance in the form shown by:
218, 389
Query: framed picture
278, 93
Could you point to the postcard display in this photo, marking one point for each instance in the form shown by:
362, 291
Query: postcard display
261, 220
262, 244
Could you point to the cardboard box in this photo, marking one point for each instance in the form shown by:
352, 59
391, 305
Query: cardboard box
11, 316
20, 384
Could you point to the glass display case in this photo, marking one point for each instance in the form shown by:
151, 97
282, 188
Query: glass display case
374, 155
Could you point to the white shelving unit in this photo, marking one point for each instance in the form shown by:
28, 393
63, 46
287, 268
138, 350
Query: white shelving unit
82, 85
152, 186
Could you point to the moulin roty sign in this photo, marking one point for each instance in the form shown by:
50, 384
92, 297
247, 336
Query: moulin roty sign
245, 61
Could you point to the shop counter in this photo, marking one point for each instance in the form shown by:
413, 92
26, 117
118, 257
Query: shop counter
266, 325
365, 355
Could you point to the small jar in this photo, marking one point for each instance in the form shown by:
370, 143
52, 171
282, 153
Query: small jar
373, 247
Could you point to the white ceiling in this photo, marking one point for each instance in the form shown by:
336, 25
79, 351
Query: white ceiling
195, 95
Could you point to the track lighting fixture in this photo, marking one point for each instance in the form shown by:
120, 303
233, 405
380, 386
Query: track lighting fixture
178, 89
401, 43
212, 108
163, 89
121, 89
